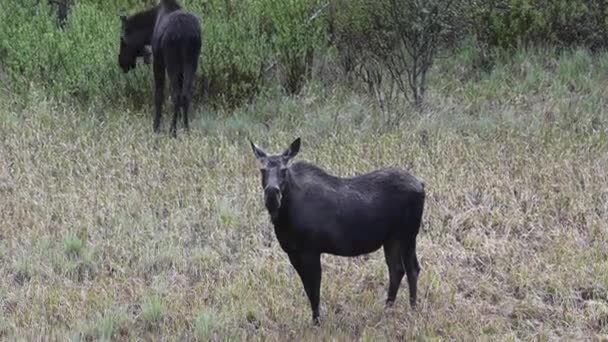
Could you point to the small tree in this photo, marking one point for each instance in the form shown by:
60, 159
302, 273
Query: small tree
407, 36
392, 44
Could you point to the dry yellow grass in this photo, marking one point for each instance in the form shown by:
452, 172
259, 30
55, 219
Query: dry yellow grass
108, 231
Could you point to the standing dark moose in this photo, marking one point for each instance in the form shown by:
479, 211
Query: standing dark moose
314, 213
175, 37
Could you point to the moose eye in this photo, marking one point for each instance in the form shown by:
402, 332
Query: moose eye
283, 173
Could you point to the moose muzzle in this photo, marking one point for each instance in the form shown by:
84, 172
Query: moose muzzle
272, 198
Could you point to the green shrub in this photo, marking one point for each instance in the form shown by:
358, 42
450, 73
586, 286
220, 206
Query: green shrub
294, 35
235, 49
25, 30
567, 23
77, 61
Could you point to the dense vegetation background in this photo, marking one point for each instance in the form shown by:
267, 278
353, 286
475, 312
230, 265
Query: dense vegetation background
110, 232
75, 57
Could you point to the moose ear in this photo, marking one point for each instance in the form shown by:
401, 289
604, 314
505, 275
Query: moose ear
259, 153
293, 149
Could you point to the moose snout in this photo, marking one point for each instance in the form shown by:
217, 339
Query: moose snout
272, 197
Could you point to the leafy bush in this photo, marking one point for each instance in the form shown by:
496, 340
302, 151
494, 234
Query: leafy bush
508, 23
235, 49
76, 61
294, 34
79, 60
23, 47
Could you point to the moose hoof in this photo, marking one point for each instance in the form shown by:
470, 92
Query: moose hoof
316, 321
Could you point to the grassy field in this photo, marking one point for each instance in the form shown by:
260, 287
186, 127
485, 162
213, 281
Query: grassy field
111, 232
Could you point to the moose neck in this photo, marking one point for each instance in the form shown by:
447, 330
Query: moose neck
142, 25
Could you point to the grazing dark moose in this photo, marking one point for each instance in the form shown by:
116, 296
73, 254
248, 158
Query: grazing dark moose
175, 38
314, 213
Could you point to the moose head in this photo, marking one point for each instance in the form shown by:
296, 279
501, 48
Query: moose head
275, 174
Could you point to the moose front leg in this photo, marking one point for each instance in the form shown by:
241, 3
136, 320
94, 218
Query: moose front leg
308, 267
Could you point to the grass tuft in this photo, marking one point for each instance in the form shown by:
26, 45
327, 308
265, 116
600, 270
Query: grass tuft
205, 323
72, 246
110, 325
23, 271
152, 313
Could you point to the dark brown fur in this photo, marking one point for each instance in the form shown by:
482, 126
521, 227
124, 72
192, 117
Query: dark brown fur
175, 38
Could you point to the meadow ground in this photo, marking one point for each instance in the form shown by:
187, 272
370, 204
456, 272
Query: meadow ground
111, 232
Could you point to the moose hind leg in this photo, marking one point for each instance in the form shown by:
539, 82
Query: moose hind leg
159, 85
308, 267
188, 89
185, 107
176, 109
412, 268
395, 269
176, 86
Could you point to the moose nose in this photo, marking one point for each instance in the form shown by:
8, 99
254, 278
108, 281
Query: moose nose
272, 191
273, 197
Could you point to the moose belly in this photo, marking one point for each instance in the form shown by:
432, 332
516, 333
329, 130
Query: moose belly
351, 247
344, 235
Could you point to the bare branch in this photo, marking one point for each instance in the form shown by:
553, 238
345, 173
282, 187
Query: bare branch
318, 12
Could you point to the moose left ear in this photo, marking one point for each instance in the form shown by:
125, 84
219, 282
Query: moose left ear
259, 153
293, 149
